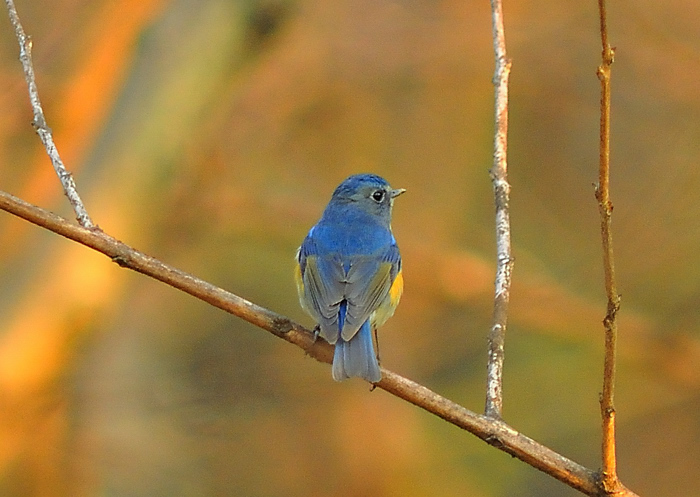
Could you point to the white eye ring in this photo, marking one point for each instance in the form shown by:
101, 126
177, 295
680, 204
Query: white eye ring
378, 195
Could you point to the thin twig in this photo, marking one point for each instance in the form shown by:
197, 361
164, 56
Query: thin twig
609, 479
493, 431
501, 188
39, 123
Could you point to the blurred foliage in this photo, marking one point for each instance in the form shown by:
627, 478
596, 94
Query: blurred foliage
211, 133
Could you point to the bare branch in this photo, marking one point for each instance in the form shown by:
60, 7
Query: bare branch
609, 479
493, 431
501, 188
39, 123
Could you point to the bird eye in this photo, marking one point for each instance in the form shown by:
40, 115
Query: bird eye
378, 195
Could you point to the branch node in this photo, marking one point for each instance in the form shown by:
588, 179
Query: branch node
121, 261
281, 325
608, 55
40, 126
495, 441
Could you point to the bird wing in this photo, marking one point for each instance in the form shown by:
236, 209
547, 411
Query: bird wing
369, 281
322, 288
343, 292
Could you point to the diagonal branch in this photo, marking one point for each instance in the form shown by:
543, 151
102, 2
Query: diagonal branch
609, 478
39, 123
493, 431
501, 188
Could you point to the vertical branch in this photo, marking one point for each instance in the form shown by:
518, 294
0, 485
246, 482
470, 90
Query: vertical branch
501, 188
609, 479
39, 123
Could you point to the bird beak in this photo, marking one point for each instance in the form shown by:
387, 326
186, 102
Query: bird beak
397, 192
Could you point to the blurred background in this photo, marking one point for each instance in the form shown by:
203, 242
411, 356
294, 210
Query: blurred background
211, 133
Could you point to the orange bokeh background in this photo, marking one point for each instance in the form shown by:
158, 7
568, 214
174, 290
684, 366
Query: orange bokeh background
210, 134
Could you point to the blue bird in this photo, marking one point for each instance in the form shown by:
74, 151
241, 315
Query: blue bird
348, 272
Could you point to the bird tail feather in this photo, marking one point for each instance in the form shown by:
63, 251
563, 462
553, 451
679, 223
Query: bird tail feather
356, 357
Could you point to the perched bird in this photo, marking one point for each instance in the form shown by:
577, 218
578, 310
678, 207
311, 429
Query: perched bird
349, 272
